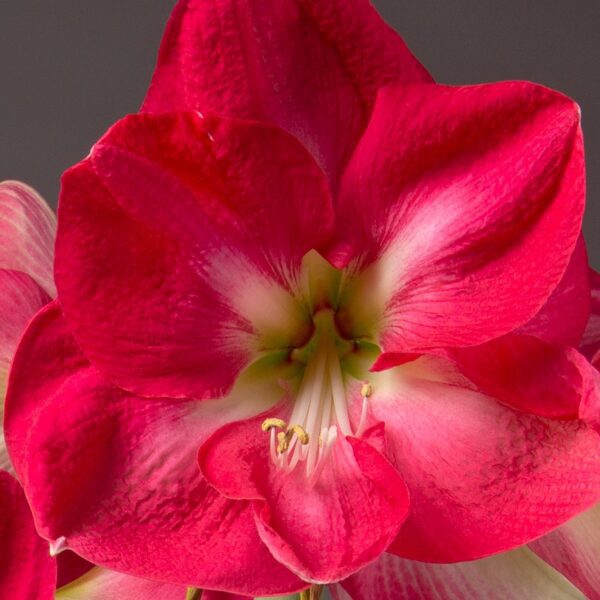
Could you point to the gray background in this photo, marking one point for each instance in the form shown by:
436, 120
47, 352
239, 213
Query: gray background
70, 68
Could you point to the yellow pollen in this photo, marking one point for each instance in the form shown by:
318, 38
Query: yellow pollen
299, 431
284, 440
268, 423
366, 390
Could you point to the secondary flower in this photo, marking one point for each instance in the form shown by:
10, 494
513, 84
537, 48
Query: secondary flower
311, 273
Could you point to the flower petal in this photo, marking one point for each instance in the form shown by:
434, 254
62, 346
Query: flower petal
309, 66
573, 549
20, 298
28, 228
115, 476
101, 584
529, 374
26, 570
323, 530
482, 477
450, 203
516, 575
564, 316
590, 344
178, 247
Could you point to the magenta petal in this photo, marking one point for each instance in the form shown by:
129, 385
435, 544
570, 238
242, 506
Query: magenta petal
564, 316
527, 373
20, 298
178, 242
116, 476
309, 66
323, 531
482, 477
26, 570
590, 345
451, 201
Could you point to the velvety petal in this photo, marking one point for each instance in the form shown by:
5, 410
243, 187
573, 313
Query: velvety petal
573, 549
324, 529
102, 584
590, 345
532, 375
178, 246
26, 570
482, 477
516, 575
309, 66
20, 298
564, 316
449, 207
28, 228
115, 478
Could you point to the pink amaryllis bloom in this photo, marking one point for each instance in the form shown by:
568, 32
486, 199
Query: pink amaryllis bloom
305, 314
27, 569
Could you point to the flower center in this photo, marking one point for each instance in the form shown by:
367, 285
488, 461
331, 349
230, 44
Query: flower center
321, 409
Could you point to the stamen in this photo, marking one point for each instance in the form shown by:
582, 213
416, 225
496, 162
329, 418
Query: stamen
272, 448
284, 441
273, 422
302, 435
328, 441
366, 390
339, 394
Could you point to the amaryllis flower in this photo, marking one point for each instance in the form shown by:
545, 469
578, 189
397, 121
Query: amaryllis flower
304, 314
27, 569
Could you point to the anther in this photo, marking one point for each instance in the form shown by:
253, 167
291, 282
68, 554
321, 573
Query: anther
366, 390
284, 441
299, 431
273, 422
